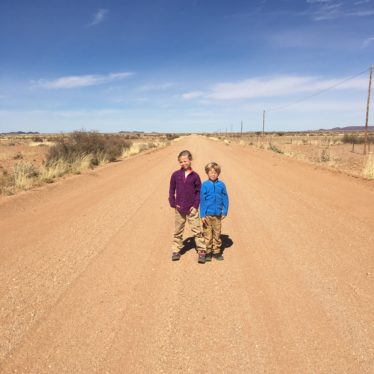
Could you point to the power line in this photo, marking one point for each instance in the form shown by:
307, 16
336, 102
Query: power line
318, 93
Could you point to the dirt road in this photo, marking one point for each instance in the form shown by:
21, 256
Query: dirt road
87, 285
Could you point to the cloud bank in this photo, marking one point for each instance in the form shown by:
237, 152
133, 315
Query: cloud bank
272, 87
76, 81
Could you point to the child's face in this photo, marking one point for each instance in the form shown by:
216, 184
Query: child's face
212, 175
184, 162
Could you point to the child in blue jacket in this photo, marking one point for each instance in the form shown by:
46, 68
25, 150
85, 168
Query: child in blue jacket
214, 205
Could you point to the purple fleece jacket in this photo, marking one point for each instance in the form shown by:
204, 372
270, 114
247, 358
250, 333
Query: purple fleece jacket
184, 192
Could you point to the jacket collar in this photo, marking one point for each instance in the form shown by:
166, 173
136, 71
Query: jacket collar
217, 180
190, 171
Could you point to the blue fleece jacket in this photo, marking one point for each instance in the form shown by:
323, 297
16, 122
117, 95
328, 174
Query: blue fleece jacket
214, 200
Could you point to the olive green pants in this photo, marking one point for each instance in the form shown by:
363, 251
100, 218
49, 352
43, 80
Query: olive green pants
212, 234
193, 220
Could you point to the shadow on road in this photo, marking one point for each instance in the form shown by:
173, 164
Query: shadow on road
226, 242
189, 243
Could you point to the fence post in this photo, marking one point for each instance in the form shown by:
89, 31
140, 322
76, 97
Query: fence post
367, 110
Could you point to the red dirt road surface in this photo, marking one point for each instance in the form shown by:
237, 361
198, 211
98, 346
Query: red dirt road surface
87, 284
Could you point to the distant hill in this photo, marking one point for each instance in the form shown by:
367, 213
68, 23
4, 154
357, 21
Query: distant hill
349, 128
131, 132
20, 133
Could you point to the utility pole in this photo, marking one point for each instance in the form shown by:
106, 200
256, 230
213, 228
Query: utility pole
263, 124
367, 110
241, 128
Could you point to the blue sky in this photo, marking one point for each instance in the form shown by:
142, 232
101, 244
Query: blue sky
183, 65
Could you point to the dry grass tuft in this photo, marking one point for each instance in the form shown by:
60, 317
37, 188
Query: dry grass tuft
368, 170
138, 147
24, 175
6, 183
61, 167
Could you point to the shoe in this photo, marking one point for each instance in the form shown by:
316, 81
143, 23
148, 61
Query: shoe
218, 256
201, 259
208, 256
176, 256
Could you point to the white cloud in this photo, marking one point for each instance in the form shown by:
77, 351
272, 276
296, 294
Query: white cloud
276, 87
281, 86
80, 81
99, 17
323, 10
368, 41
192, 95
314, 106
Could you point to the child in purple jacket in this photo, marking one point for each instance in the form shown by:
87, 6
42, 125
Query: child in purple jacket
184, 196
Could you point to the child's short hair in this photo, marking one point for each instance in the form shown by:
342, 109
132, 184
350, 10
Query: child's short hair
214, 166
186, 154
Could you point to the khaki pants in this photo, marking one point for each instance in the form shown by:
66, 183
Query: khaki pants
212, 233
194, 222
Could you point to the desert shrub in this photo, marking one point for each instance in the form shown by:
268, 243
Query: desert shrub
274, 148
325, 155
357, 139
171, 136
98, 147
37, 139
354, 139
18, 156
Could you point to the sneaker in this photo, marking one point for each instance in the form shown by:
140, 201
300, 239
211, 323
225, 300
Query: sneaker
208, 256
176, 256
201, 259
218, 256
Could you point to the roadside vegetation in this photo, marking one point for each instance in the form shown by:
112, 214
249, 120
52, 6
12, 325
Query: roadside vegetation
335, 150
60, 155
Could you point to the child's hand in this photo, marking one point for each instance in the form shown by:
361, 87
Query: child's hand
193, 210
223, 217
203, 220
